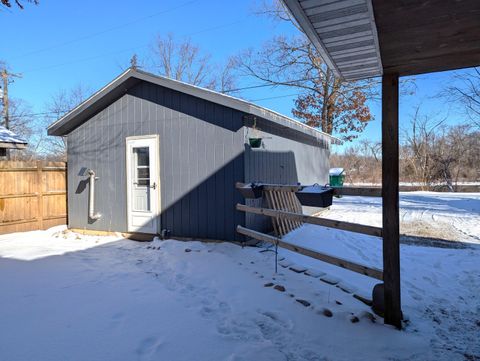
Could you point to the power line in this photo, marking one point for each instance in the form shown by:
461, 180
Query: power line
52, 113
92, 35
268, 84
128, 49
83, 59
277, 97
58, 113
278, 84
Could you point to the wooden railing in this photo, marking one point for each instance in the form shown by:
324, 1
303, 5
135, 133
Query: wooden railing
295, 218
355, 191
32, 195
352, 266
332, 223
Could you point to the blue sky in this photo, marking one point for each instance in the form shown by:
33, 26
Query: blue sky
60, 44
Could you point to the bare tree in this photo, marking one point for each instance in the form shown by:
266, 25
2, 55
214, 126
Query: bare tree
362, 162
185, 61
226, 78
325, 101
465, 91
61, 103
21, 121
8, 3
433, 154
455, 155
417, 151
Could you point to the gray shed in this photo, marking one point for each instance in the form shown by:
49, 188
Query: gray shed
166, 156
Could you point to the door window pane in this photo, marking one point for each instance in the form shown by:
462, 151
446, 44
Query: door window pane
143, 176
142, 156
141, 186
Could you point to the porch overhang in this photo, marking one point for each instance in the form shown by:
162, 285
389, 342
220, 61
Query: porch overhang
360, 39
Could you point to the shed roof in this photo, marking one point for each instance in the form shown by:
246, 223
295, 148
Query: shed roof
119, 86
359, 39
9, 139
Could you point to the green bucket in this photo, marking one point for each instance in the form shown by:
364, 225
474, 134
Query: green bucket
255, 142
337, 180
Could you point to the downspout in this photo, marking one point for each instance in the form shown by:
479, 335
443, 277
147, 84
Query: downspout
91, 197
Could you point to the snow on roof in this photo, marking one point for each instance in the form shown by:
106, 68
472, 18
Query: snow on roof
336, 171
7, 136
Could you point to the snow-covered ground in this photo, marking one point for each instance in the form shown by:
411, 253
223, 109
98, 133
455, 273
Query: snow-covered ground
449, 216
70, 297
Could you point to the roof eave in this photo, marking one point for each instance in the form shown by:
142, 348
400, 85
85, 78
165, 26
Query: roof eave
58, 127
299, 15
129, 78
341, 25
12, 145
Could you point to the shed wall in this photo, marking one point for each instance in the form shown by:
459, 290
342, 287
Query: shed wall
283, 161
201, 158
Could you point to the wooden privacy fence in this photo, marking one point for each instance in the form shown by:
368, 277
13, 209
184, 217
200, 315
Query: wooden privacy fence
32, 195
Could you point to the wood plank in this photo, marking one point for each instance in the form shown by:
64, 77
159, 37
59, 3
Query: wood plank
424, 36
281, 222
390, 200
50, 218
273, 187
336, 261
291, 208
284, 207
27, 195
354, 191
21, 221
291, 225
346, 191
30, 195
274, 220
31, 169
298, 205
40, 198
332, 223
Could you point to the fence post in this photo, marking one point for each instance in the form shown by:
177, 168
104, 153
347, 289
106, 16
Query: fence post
40, 194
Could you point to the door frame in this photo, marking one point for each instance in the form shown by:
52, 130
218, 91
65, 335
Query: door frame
155, 178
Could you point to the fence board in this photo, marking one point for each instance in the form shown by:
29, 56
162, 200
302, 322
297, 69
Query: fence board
32, 195
332, 223
337, 261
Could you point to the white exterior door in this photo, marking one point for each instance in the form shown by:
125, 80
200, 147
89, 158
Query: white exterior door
143, 184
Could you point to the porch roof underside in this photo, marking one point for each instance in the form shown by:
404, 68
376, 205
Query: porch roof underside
360, 39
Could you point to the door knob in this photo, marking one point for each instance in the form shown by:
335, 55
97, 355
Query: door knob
154, 185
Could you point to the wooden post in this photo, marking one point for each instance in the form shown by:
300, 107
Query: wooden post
40, 194
390, 188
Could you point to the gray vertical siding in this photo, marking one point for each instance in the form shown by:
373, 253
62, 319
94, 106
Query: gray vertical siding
201, 158
202, 155
283, 161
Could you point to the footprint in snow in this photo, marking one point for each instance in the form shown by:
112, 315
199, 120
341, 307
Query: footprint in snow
117, 320
149, 347
430, 280
214, 310
415, 295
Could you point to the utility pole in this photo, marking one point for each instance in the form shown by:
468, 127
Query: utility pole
4, 75
5, 79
